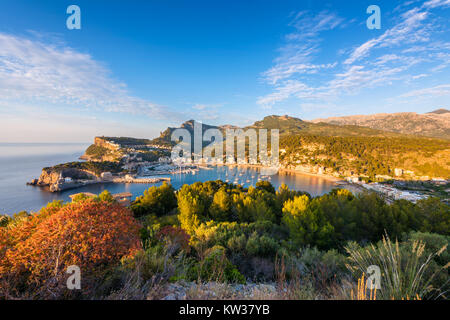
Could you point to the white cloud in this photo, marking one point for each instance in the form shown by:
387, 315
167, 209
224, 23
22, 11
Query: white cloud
436, 3
286, 70
408, 31
288, 89
420, 76
200, 107
410, 50
205, 112
31, 70
206, 107
437, 91
301, 45
296, 57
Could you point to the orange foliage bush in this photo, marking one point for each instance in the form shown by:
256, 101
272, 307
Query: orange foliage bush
90, 234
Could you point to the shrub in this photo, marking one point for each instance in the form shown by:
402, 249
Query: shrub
4, 220
155, 200
435, 216
175, 238
221, 206
106, 196
322, 266
262, 246
265, 185
91, 234
192, 205
433, 243
159, 262
237, 243
216, 267
403, 272
306, 226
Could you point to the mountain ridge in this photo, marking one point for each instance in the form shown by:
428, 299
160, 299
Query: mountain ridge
287, 125
435, 124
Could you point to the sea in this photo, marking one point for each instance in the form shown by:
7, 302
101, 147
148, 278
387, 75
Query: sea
22, 162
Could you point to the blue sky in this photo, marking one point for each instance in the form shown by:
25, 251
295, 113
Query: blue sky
136, 67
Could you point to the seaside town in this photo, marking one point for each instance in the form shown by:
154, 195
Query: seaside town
135, 166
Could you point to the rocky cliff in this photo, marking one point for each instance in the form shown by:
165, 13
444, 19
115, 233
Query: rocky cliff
51, 176
103, 149
106, 143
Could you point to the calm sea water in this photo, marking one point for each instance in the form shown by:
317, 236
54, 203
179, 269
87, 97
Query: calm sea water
19, 163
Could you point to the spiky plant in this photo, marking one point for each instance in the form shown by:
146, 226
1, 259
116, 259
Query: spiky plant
403, 272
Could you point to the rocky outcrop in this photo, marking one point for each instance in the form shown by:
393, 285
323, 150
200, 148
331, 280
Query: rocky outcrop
102, 142
103, 149
63, 179
48, 177
63, 185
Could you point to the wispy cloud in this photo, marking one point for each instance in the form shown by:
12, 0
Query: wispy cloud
296, 55
31, 70
286, 90
407, 31
205, 111
377, 62
439, 91
206, 106
436, 3
410, 30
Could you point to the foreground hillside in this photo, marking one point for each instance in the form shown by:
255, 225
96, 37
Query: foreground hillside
433, 124
216, 240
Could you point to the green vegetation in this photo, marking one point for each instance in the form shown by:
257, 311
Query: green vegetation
313, 248
97, 152
260, 234
409, 268
369, 156
152, 155
92, 166
294, 126
156, 200
105, 196
127, 141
